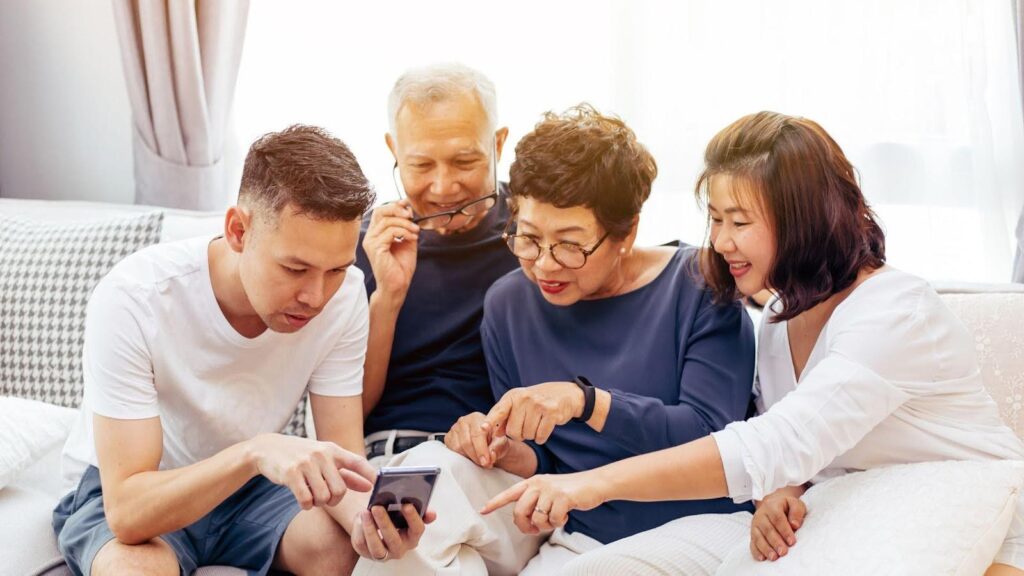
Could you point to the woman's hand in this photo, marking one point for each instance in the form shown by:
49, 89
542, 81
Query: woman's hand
471, 437
543, 502
778, 517
531, 413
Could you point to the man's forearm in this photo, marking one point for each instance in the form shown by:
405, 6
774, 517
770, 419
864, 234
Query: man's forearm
149, 504
344, 513
383, 316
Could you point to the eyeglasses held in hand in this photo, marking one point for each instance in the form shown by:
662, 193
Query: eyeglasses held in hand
463, 215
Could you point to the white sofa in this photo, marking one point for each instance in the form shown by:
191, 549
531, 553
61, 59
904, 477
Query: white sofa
993, 313
27, 544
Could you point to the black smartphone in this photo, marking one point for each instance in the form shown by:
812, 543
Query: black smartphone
398, 485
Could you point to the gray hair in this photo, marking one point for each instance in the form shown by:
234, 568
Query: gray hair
441, 82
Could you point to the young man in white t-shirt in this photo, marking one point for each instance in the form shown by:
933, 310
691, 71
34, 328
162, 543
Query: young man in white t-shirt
196, 354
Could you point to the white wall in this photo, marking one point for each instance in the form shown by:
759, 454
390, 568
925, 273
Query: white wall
65, 121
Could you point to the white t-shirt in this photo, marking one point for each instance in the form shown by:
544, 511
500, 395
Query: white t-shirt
158, 344
892, 379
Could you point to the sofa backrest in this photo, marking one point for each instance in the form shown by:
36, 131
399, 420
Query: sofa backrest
177, 225
995, 317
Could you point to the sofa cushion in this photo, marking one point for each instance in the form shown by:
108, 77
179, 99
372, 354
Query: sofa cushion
47, 272
914, 519
29, 429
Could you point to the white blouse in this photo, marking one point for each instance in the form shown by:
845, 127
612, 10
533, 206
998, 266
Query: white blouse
892, 379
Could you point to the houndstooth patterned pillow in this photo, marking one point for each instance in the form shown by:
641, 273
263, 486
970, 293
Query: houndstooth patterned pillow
47, 273
297, 425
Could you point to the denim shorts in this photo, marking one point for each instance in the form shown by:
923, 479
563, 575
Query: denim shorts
243, 531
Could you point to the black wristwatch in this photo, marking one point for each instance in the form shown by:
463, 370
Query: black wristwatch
589, 397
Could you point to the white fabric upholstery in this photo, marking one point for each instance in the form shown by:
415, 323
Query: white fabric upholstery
915, 519
28, 430
178, 224
996, 320
27, 542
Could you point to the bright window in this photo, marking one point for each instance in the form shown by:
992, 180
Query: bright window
921, 94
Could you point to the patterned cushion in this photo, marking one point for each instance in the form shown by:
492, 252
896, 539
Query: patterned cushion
297, 425
47, 272
994, 319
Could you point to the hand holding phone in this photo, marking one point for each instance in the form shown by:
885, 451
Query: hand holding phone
400, 485
379, 537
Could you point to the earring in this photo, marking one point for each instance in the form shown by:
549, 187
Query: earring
622, 250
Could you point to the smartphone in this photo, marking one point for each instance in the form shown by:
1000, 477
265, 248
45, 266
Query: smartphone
398, 485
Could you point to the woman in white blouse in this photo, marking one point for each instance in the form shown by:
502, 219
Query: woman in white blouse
859, 365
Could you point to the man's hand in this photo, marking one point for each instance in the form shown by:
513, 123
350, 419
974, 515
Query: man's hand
317, 473
374, 535
543, 502
471, 436
532, 413
391, 244
773, 529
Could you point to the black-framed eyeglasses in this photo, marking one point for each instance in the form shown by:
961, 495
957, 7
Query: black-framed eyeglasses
463, 215
568, 254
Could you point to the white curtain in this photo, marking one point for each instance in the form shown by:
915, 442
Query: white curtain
921, 94
181, 61
1018, 261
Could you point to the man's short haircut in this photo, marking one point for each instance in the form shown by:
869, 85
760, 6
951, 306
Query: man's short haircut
584, 158
441, 83
308, 169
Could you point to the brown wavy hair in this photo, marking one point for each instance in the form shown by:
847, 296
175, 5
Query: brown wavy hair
307, 168
584, 158
824, 229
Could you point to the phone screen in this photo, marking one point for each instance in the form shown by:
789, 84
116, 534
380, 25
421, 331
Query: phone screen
399, 485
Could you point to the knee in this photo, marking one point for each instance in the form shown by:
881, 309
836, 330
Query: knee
435, 453
154, 558
323, 548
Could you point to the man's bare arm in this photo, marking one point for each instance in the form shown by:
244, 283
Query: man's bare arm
383, 316
142, 502
339, 419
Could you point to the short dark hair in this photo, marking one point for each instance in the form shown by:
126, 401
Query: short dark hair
584, 158
305, 167
825, 231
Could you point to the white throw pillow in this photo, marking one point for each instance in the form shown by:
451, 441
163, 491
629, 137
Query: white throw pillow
29, 429
932, 518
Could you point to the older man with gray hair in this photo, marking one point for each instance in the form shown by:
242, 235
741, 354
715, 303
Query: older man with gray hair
428, 258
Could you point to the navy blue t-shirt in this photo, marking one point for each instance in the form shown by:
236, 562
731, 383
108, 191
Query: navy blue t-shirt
437, 372
678, 367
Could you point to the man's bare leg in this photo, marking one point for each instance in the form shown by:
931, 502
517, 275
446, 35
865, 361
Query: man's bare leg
315, 544
1003, 570
154, 558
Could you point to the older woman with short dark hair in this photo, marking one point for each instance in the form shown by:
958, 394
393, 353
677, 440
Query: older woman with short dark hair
598, 349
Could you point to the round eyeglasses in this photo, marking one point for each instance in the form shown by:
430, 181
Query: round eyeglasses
567, 254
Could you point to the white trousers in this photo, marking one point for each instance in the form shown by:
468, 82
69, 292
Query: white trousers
690, 546
460, 540
559, 549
